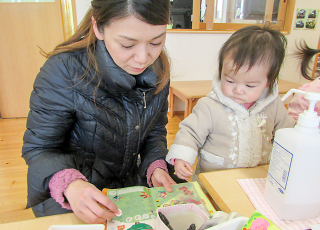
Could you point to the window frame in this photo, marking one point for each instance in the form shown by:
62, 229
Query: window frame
285, 17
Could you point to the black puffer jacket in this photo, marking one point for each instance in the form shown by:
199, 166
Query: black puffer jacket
102, 132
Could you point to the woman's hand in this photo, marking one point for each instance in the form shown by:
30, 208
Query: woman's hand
183, 169
89, 203
161, 178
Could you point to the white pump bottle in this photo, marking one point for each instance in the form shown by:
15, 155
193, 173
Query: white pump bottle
293, 183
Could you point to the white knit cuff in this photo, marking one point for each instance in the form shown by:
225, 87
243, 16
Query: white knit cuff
181, 152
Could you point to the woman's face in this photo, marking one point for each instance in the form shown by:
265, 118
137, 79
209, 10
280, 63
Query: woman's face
132, 43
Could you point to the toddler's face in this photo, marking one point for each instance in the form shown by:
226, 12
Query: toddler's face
244, 86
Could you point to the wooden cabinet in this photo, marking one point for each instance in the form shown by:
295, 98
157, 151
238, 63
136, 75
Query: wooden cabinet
26, 27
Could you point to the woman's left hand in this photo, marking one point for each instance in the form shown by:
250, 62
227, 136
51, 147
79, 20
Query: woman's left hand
162, 178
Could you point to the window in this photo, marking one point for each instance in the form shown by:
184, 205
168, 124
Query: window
227, 15
181, 13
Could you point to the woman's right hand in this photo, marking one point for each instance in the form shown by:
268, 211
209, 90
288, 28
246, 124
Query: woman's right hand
183, 169
89, 203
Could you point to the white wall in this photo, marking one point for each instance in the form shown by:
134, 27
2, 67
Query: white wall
195, 56
81, 8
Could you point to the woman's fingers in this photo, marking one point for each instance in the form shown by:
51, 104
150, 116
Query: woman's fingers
162, 178
89, 203
106, 202
89, 217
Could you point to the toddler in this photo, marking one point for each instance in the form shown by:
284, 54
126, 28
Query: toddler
298, 104
233, 126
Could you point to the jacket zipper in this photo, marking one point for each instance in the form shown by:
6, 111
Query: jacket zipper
144, 99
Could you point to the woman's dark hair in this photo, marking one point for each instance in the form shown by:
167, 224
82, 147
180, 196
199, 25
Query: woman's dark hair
154, 12
304, 54
255, 45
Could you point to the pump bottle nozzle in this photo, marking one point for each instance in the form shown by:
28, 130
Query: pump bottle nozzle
308, 118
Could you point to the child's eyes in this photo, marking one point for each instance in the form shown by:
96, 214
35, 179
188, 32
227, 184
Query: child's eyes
250, 86
229, 81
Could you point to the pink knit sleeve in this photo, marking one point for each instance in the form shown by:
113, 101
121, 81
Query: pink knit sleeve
297, 105
156, 164
60, 181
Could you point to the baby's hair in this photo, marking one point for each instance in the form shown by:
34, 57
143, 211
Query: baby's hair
255, 45
305, 54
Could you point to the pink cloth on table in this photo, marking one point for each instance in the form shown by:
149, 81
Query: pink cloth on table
60, 181
156, 164
248, 105
254, 188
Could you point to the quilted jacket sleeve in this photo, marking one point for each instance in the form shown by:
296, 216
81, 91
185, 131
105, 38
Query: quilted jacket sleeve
49, 121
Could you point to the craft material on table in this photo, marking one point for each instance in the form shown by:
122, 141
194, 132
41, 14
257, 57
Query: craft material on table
139, 204
254, 189
165, 220
182, 216
258, 221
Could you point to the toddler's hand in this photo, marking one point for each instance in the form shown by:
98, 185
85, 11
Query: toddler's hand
183, 169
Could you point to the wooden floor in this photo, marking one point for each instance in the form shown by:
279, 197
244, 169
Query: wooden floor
13, 169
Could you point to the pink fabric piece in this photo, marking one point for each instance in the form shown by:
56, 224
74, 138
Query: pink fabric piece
254, 188
60, 181
156, 164
248, 105
298, 104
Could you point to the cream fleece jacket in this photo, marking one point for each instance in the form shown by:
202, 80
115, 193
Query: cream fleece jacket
227, 134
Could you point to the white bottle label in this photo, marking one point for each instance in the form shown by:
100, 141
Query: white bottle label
279, 168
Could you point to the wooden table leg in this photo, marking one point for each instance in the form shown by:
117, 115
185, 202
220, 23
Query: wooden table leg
194, 102
171, 101
187, 107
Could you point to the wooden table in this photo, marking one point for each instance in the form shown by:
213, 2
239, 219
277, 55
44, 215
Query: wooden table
226, 192
43, 223
191, 91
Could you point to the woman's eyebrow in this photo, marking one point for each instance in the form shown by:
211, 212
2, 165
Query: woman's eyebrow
133, 39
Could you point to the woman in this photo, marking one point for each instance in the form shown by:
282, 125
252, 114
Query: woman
98, 111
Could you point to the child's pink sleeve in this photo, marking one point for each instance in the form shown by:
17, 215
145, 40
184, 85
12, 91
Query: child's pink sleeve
298, 104
60, 181
156, 164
